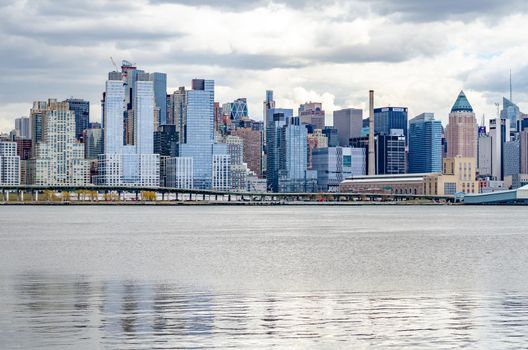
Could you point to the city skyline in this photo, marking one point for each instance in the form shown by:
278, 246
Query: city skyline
413, 54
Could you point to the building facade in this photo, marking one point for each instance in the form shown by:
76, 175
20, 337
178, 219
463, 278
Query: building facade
58, 159
335, 164
81, 108
9, 164
348, 123
425, 144
312, 113
461, 131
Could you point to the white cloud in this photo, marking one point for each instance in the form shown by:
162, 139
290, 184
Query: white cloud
414, 55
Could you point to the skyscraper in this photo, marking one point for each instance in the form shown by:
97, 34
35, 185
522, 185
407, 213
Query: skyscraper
210, 160
425, 144
236, 110
81, 108
276, 118
58, 158
93, 143
461, 131
269, 103
348, 123
499, 134
132, 163
335, 164
523, 150
177, 112
159, 81
390, 118
252, 148
312, 113
22, 128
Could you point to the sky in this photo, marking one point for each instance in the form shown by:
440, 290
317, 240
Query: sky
413, 53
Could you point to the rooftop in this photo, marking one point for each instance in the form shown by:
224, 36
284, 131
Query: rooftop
462, 104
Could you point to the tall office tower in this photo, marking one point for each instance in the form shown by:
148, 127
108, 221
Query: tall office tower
209, 158
335, 164
236, 110
252, 148
388, 118
59, 157
93, 143
312, 113
269, 103
81, 108
499, 134
132, 164
461, 131
37, 121
484, 163
523, 151
348, 123
22, 128
390, 153
511, 112
293, 173
276, 118
425, 144
177, 113
332, 136
511, 163
159, 81
9, 164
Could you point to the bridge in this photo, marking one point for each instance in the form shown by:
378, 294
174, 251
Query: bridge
164, 195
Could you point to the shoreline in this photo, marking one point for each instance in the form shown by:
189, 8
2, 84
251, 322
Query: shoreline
212, 203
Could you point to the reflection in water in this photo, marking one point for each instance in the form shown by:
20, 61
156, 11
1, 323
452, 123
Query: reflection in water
63, 312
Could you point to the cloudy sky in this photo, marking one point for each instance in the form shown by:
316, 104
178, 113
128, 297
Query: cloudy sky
413, 53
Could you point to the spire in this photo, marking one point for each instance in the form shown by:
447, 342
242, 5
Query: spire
462, 104
511, 90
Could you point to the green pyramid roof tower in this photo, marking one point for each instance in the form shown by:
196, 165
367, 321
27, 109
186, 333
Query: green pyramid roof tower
462, 104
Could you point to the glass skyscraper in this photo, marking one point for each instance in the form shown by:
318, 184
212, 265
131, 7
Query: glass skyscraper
200, 143
160, 96
425, 144
81, 108
132, 164
389, 118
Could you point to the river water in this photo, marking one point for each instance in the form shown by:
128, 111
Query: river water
285, 277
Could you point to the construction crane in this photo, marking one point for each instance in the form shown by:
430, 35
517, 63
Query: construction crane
115, 65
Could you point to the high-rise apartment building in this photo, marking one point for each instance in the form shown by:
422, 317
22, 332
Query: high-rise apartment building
130, 160
239, 170
461, 131
312, 113
425, 144
81, 108
348, 123
58, 159
252, 149
9, 164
